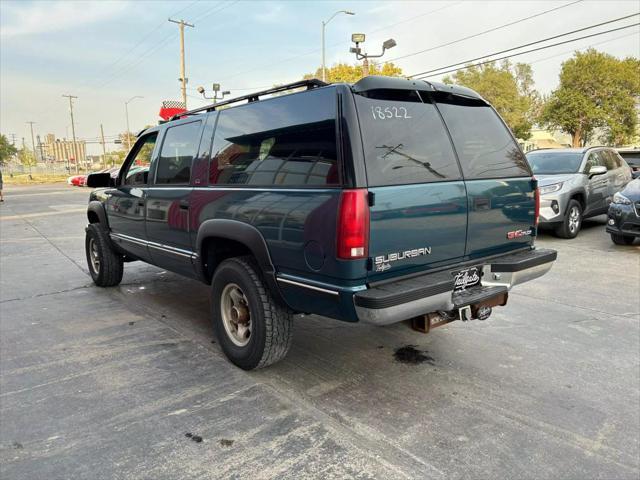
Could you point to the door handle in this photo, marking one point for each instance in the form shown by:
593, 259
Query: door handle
141, 203
184, 204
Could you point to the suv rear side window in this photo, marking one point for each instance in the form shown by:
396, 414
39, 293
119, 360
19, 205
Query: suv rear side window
484, 146
404, 139
179, 147
287, 141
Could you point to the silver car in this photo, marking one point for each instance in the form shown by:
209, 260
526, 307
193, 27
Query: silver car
576, 183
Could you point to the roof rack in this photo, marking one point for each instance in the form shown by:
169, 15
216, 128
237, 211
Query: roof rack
254, 97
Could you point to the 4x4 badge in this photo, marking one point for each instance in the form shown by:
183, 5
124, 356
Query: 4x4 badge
518, 234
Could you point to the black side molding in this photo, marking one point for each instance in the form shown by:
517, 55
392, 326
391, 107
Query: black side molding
517, 262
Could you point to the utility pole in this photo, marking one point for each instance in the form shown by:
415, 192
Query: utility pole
183, 78
73, 130
104, 150
33, 145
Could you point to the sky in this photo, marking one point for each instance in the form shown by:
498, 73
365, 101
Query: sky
106, 52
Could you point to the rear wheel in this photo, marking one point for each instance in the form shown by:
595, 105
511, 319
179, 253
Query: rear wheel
570, 227
253, 330
622, 239
105, 264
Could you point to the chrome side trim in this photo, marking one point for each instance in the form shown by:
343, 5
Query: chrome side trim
157, 246
310, 287
129, 239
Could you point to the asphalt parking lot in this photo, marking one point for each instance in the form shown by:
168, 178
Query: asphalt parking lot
106, 383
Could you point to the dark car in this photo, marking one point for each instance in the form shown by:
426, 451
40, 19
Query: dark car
623, 222
382, 201
632, 157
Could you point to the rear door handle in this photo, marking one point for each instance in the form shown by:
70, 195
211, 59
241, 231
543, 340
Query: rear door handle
184, 204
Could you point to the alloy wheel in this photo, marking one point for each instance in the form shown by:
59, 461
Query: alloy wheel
574, 219
94, 256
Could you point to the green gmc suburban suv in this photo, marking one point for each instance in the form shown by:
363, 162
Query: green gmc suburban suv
382, 201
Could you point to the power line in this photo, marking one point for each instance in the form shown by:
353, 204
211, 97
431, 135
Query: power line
154, 49
528, 44
468, 37
582, 48
311, 52
519, 53
143, 39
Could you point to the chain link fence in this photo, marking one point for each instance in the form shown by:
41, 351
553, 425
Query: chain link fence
51, 169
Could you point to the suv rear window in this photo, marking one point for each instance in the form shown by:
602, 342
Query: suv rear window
287, 141
404, 139
484, 146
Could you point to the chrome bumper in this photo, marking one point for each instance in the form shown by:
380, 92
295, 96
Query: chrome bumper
496, 273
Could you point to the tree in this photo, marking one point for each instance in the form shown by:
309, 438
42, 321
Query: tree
509, 89
596, 91
7, 150
26, 157
343, 72
123, 138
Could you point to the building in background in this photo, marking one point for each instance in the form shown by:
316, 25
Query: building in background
545, 139
62, 150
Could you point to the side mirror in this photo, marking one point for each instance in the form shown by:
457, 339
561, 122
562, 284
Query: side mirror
597, 170
97, 180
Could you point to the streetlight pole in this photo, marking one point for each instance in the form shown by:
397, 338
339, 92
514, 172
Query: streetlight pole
126, 112
359, 38
73, 130
324, 25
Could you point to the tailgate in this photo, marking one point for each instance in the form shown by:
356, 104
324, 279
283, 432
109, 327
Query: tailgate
413, 226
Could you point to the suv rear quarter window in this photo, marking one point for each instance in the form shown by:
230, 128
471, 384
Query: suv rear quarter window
285, 141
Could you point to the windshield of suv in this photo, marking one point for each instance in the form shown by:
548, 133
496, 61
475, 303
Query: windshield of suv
552, 162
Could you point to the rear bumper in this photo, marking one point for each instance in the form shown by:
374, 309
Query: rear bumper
404, 299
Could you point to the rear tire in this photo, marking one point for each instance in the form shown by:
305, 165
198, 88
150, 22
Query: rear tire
253, 330
105, 264
622, 239
572, 223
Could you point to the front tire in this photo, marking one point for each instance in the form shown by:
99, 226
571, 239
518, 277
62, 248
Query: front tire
622, 239
105, 264
253, 330
572, 223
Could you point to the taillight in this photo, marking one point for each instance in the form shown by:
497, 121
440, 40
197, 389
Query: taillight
353, 225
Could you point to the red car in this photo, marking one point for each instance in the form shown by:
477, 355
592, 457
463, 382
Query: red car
77, 180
